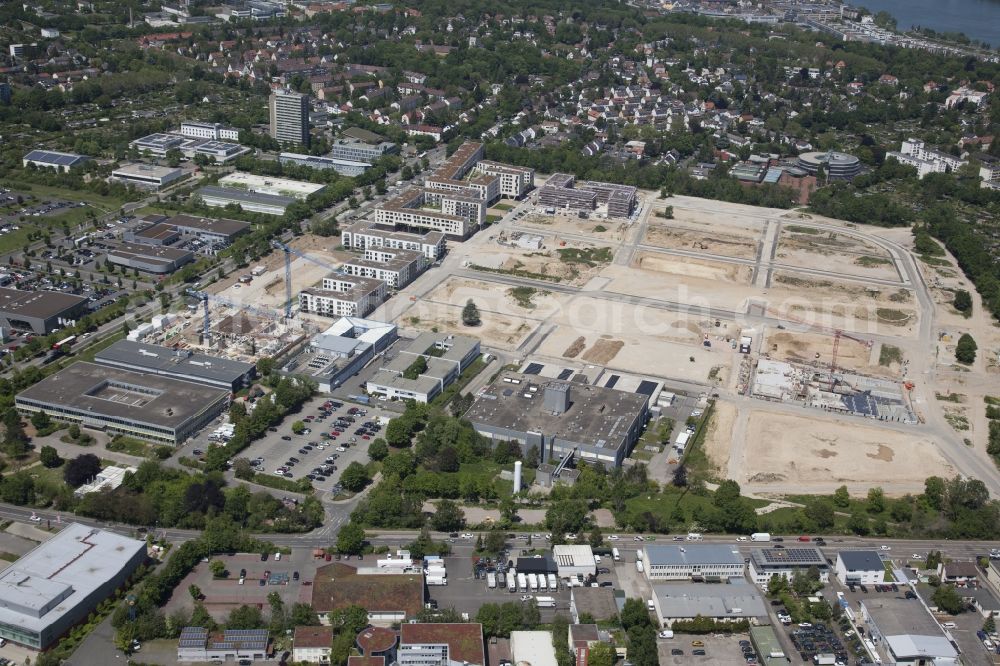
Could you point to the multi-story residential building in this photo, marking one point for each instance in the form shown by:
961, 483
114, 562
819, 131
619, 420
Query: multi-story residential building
407, 210
514, 181
289, 117
915, 153
213, 131
362, 235
397, 268
344, 296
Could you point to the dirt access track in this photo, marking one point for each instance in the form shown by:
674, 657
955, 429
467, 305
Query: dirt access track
710, 241
815, 454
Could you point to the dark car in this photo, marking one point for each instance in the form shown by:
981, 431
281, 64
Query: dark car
286, 438
262, 582
294, 460
272, 429
263, 557
303, 452
700, 653
243, 573
295, 575
778, 539
677, 652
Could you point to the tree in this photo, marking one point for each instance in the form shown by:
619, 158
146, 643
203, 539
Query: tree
298, 427
399, 432
74, 431
378, 449
602, 654
876, 500
350, 539
596, 538
990, 625
934, 492
49, 457
355, 477
218, 568
265, 366
566, 516
245, 617
495, 541
81, 469
948, 600
963, 302
470, 314
821, 513
40, 420
243, 469
842, 498
195, 592
634, 613
965, 350
448, 517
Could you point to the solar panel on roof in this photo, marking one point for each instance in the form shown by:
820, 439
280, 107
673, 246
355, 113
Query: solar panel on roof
565, 374
611, 382
646, 387
533, 368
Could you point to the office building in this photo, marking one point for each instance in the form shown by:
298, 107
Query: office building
906, 633
692, 562
146, 406
197, 644
220, 197
362, 151
53, 159
445, 357
397, 268
289, 117
60, 582
533, 647
159, 144
786, 562
837, 166
515, 181
39, 312
341, 351
859, 567
363, 235
444, 644
343, 296
312, 644
280, 187
574, 560
208, 229
738, 600
146, 176
155, 259
564, 420
377, 644
180, 364
213, 131
344, 167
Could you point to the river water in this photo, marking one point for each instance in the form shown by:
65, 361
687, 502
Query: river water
978, 19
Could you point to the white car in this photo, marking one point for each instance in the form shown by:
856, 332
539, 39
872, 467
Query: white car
571, 537
35, 519
885, 548
917, 556
340, 449
742, 538
637, 538
696, 413
526, 597
613, 537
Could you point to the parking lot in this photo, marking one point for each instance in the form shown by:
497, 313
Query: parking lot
718, 650
281, 446
221, 595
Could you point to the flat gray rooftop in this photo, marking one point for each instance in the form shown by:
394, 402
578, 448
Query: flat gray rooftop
234, 194
124, 394
692, 599
222, 226
60, 573
595, 415
690, 554
181, 362
894, 616
41, 304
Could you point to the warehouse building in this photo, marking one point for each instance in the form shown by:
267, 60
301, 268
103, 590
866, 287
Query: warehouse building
40, 312
692, 562
592, 423
254, 202
208, 229
768, 562
53, 159
574, 560
859, 567
397, 268
154, 234
362, 235
180, 364
388, 597
515, 181
197, 644
60, 582
906, 633
149, 258
343, 167
343, 296
738, 600
146, 406
341, 351
146, 176
445, 358
281, 187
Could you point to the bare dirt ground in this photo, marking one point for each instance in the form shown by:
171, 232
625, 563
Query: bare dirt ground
603, 350
709, 240
671, 286
599, 229
817, 349
497, 330
814, 454
540, 264
848, 306
718, 439
830, 251
696, 268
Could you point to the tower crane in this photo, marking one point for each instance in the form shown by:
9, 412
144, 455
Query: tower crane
289, 251
835, 332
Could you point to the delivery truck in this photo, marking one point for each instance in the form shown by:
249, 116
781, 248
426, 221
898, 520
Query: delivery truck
760, 536
546, 602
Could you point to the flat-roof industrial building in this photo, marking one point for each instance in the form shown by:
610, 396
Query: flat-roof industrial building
574, 560
181, 364
692, 561
53, 159
388, 598
282, 187
156, 259
592, 423
906, 632
786, 562
446, 356
147, 176
40, 312
738, 600
254, 202
197, 644
61, 581
341, 351
146, 406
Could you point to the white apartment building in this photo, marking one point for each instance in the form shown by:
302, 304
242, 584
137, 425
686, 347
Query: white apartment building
514, 181
407, 210
343, 296
915, 153
397, 268
362, 235
213, 131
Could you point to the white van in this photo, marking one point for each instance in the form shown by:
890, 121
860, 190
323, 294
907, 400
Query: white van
948, 625
277, 557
